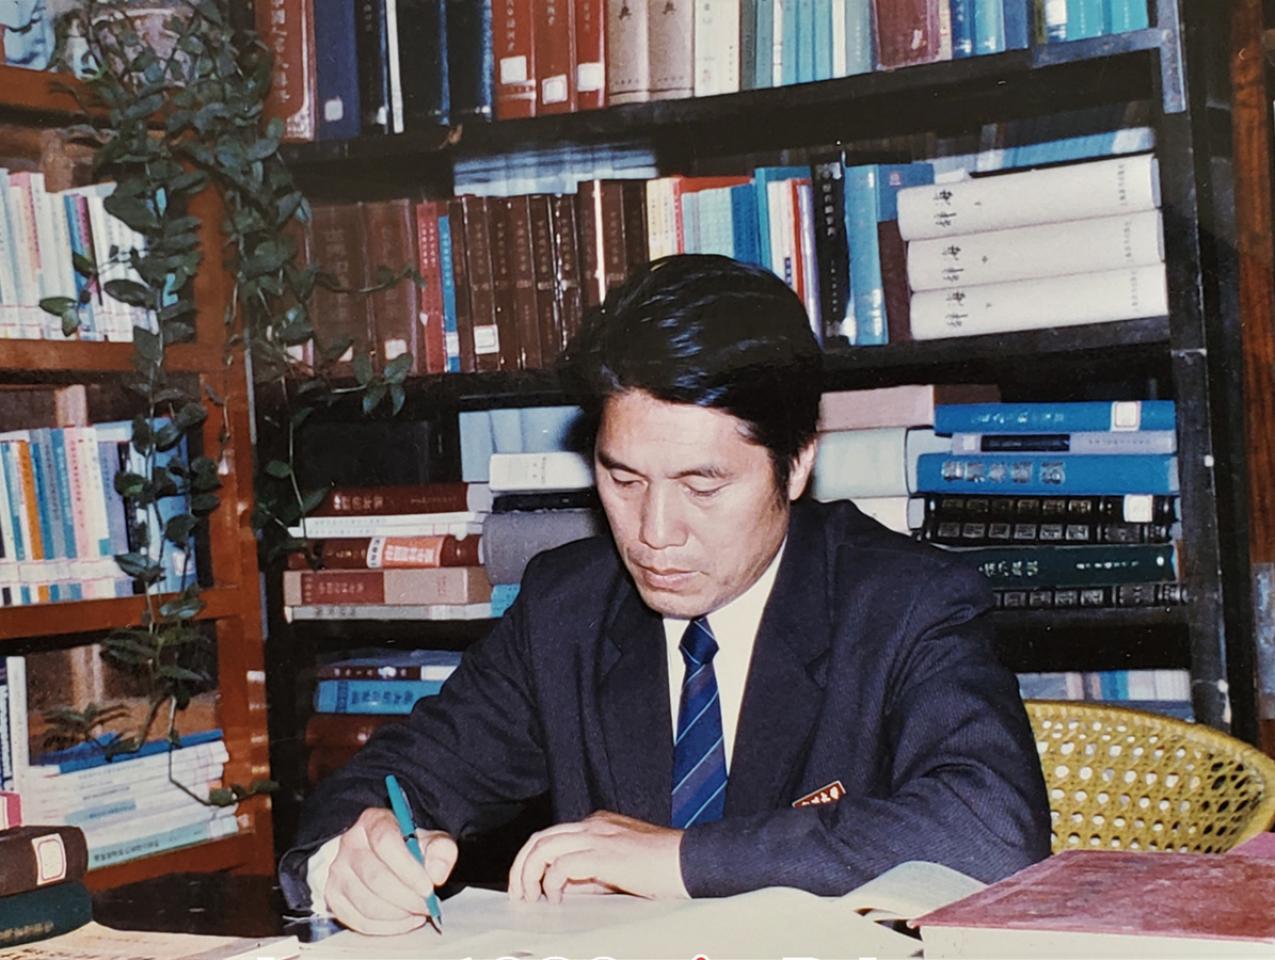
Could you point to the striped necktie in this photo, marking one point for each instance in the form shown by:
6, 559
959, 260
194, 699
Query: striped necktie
699, 752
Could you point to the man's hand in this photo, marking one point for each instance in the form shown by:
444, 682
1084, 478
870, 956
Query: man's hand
605, 851
375, 885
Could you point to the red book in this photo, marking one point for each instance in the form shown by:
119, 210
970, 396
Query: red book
907, 32
460, 271
635, 244
340, 247
513, 36
287, 28
389, 552
1114, 903
344, 730
502, 283
517, 211
589, 23
433, 344
555, 57
391, 246
479, 277
436, 585
566, 265
548, 305
442, 497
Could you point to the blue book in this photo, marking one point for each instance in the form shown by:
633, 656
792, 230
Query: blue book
989, 26
962, 13
764, 67
690, 222
470, 59
1126, 15
422, 44
86, 756
1085, 18
789, 41
503, 596
1072, 417
48, 509
65, 512
805, 41
762, 178
185, 835
451, 334
1056, 566
108, 457
373, 58
10, 469
1042, 474
871, 197
743, 210
860, 48
822, 28
372, 696
84, 247
336, 69
1017, 17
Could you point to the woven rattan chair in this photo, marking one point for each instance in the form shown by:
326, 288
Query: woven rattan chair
1129, 779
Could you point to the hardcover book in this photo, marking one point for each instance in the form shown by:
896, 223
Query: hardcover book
36, 856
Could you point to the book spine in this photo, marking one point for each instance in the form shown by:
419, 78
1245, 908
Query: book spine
391, 552
860, 47
1125, 15
748, 44
1104, 596
805, 41
861, 215
510, 540
182, 835
613, 253
989, 26
555, 57
567, 266
832, 251
340, 246
671, 33
1062, 417
480, 279
336, 70
392, 586
1138, 508
1085, 18
470, 61
433, 332
405, 525
1055, 566
787, 40
457, 215
502, 285
764, 28
438, 611
1075, 191
977, 533
422, 44
1043, 474
287, 29
526, 307
1088, 442
589, 20
440, 497
588, 203
34, 857
907, 32
1052, 20
1017, 16
390, 228
515, 30
548, 313
1105, 297
371, 41
1022, 253
372, 696
826, 38
47, 912
451, 308
628, 70
557, 470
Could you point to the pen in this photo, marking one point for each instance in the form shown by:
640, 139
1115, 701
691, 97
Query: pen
407, 827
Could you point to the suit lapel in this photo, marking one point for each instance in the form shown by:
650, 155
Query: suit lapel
785, 688
633, 701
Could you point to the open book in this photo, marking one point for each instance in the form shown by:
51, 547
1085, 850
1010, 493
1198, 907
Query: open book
773, 922
96, 942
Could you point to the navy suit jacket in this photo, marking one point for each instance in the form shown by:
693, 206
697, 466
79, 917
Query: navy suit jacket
873, 668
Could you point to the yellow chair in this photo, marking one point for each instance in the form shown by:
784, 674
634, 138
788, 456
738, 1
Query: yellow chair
1129, 779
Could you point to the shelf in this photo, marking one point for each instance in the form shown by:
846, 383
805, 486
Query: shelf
93, 616
23, 359
1093, 639
227, 853
868, 105
40, 92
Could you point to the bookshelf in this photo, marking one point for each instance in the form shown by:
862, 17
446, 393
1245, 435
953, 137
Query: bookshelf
1212, 353
36, 101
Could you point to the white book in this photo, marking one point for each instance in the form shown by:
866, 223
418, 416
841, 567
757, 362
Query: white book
901, 514
1076, 191
9, 291
1041, 250
540, 472
461, 523
871, 463
840, 67
1083, 441
777, 44
30, 325
716, 47
383, 611
394, 67
19, 734
63, 283
1035, 304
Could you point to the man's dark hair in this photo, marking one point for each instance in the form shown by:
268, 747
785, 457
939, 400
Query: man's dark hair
709, 331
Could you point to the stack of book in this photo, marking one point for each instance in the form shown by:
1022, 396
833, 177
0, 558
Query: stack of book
405, 552
1060, 505
128, 804
1163, 691
355, 696
1073, 244
42, 892
41, 232
345, 69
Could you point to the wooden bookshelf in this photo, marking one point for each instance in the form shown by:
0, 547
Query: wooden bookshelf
45, 94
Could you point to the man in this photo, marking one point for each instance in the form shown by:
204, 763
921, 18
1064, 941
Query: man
735, 690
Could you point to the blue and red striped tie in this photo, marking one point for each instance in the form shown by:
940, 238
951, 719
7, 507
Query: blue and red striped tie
699, 751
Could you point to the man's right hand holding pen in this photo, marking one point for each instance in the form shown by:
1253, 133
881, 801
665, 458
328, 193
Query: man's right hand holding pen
375, 885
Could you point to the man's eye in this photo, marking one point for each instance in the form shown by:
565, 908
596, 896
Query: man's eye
704, 493
624, 481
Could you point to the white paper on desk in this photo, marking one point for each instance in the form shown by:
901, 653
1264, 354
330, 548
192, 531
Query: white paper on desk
96, 942
773, 922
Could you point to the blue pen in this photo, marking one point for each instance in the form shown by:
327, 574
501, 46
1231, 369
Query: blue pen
407, 827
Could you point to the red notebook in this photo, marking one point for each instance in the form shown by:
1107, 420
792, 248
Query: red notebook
1114, 903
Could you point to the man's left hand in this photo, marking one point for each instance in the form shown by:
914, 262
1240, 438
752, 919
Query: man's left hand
604, 852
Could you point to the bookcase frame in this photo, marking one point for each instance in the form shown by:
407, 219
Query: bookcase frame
1207, 113
41, 100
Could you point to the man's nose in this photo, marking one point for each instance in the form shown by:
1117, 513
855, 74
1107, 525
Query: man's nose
661, 524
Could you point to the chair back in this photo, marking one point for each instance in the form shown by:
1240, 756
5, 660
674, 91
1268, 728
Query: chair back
1120, 778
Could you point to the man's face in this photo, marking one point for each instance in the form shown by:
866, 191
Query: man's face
691, 501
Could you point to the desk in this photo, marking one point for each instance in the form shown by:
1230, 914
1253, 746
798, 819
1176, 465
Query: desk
205, 903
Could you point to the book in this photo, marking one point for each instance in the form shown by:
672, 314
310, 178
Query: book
1039, 303
382, 611
589, 20
1076, 191
1045, 250
1086, 18
390, 229
470, 61
555, 56
1104, 596
1109, 903
287, 29
94, 940
376, 553
556, 470
438, 497
1125, 15
336, 70
877, 462
907, 32
1061, 417
628, 58
422, 62
671, 50
907, 405
44, 912
10, 801
554, 500
974, 533
1062, 566
36, 856
340, 247
372, 696
1084, 441
391, 665
372, 56
91, 755
716, 47
510, 540
1131, 508
394, 586
458, 524
524, 295
1044, 473
515, 55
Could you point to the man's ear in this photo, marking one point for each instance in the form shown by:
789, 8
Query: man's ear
802, 465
